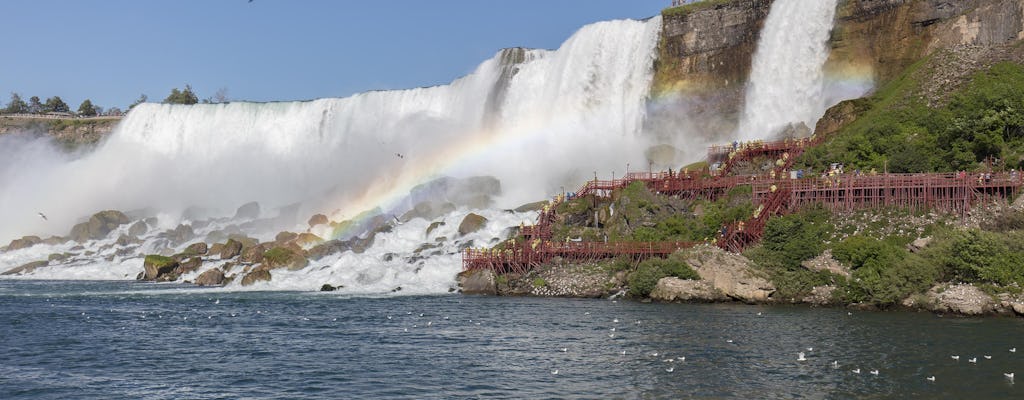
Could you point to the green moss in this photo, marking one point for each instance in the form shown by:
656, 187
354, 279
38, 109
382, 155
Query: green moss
159, 261
650, 271
539, 282
692, 7
278, 256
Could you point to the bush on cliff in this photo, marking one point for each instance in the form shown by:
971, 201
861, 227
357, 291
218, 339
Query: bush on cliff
650, 271
978, 256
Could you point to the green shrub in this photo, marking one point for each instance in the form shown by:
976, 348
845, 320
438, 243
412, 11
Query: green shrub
886, 284
539, 282
981, 257
650, 271
796, 237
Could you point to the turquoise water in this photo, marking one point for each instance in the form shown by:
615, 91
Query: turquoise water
102, 340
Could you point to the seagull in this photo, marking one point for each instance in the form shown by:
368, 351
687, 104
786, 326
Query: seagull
800, 356
611, 335
616, 320
1013, 350
396, 220
670, 369
1009, 375
728, 341
874, 372
758, 314
43, 216
399, 155
835, 364
955, 357
856, 371
555, 372
988, 357
623, 352
931, 378
973, 360
810, 349
565, 349
654, 354
613, 329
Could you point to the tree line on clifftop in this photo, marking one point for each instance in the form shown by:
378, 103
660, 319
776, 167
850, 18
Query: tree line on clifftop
56, 105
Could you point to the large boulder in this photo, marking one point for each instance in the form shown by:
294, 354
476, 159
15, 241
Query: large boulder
248, 211
188, 265
825, 262
731, 274
26, 268
254, 254
477, 281
318, 219
98, 226
213, 277
962, 299
427, 210
24, 243
196, 249
284, 257
674, 289
471, 223
137, 229
328, 248
257, 275
157, 266
535, 206
231, 249
179, 235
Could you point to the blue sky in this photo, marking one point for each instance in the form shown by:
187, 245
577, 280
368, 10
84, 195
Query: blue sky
113, 51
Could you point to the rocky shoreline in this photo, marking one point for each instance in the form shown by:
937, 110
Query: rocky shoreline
724, 278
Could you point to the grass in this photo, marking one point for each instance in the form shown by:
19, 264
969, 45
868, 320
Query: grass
695, 6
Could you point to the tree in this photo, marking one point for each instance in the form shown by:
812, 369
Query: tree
17, 105
87, 109
186, 96
114, 111
142, 99
55, 104
35, 106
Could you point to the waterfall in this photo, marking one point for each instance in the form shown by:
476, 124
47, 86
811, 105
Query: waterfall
786, 80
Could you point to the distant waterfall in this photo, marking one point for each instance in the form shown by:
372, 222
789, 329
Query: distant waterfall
787, 81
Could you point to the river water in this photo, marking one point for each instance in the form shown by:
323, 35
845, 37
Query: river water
103, 340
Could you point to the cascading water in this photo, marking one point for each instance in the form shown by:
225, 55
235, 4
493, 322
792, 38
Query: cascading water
787, 79
534, 119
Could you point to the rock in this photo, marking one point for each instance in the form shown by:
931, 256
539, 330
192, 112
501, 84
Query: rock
674, 289
58, 257
1017, 307
231, 249
215, 249
98, 226
919, 244
196, 249
471, 223
318, 219
55, 240
187, 266
285, 237
328, 248
248, 211
213, 277
328, 288
137, 229
306, 240
254, 254
26, 268
257, 275
963, 299
825, 262
179, 235
434, 225
156, 266
731, 274
535, 206
477, 281
820, 295
24, 243
427, 210
126, 240
283, 257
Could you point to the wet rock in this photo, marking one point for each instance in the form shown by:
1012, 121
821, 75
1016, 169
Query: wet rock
674, 289
434, 225
187, 266
215, 249
328, 248
254, 254
179, 235
306, 240
427, 210
318, 219
55, 240
98, 226
257, 275
24, 243
283, 257
535, 206
213, 277
26, 268
328, 288
196, 249
478, 281
137, 229
471, 223
125, 240
58, 257
156, 266
248, 211
231, 249
285, 237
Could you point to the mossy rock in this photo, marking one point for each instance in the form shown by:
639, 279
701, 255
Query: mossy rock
156, 265
196, 249
318, 219
231, 249
254, 254
433, 226
98, 226
471, 223
257, 275
285, 237
24, 243
213, 277
137, 229
283, 257
26, 268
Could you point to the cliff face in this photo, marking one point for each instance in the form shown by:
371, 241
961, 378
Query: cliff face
71, 133
706, 52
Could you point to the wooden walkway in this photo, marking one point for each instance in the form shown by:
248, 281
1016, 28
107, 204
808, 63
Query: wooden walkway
772, 195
